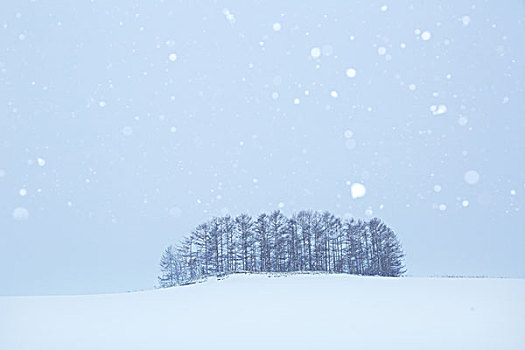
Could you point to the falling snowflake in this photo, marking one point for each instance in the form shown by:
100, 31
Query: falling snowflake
357, 190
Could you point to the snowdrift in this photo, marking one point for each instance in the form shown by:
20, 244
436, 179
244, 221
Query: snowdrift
277, 312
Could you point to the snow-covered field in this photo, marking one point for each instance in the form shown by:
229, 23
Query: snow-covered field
272, 312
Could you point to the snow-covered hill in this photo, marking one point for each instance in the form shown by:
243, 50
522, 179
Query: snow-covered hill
277, 312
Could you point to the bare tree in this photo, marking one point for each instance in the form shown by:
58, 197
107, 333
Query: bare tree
170, 268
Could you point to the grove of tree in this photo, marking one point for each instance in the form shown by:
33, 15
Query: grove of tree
307, 241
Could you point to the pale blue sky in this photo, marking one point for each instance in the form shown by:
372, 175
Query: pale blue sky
126, 124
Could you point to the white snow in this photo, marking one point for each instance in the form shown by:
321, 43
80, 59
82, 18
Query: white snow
426, 35
438, 110
276, 27
472, 177
315, 52
462, 120
270, 312
22, 192
357, 190
41, 161
381, 51
127, 131
437, 188
465, 20
334, 94
172, 57
20, 214
351, 72
230, 17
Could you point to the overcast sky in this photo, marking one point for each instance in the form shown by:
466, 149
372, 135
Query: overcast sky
125, 124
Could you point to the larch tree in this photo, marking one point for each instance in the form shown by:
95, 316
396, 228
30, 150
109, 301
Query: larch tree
170, 268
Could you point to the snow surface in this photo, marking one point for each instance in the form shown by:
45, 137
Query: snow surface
277, 312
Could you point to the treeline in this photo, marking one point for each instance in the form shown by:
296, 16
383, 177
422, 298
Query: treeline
308, 241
